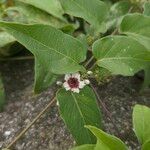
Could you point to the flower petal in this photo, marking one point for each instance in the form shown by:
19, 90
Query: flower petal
81, 84
76, 90
76, 75
86, 81
66, 86
67, 76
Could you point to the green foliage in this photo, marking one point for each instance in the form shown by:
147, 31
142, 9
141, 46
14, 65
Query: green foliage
117, 54
137, 26
94, 12
106, 141
8, 45
141, 122
85, 147
50, 6
146, 146
59, 53
101, 74
28, 11
25, 13
147, 77
117, 11
121, 55
6, 40
147, 8
78, 110
120, 8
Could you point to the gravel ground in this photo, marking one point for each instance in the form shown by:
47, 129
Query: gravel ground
50, 133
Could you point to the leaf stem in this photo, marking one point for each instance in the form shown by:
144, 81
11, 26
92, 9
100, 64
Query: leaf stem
31, 124
89, 61
92, 66
105, 108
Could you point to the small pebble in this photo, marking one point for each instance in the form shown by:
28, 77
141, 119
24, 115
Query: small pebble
7, 133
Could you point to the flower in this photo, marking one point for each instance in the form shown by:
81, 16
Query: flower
89, 72
73, 82
86, 81
57, 103
59, 83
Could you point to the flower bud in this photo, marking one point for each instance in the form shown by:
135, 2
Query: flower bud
59, 83
89, 72
86, 81
57, 103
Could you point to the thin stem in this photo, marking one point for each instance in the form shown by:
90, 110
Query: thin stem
130, 10
89, 61
93, 66
114, 32
105, 108
17, 58
29, 126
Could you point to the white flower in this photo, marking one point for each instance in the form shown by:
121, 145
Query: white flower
86, 81
89, 72
73, 82
59, 83
57, 103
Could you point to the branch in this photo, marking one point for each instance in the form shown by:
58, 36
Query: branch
105, 108
31, 124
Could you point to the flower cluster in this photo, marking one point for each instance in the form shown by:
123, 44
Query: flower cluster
74, 83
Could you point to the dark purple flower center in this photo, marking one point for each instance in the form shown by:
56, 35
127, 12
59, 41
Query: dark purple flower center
73, 82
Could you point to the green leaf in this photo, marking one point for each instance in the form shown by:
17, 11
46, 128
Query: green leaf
141, 123
146, 82
120, 8
102, 75
84, 147
2, 95
121, 55
78, 110
5, 39
28, 14
147, 9
106, 141
137, 26
83, 39
94, 11
117, 11
8, 45
54, 51
50, 6
146, 146
69, 28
